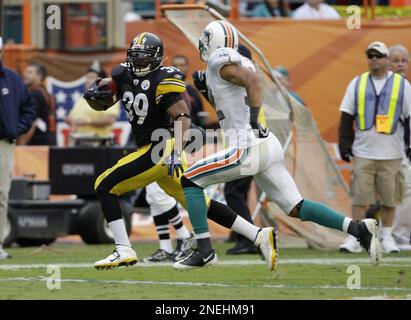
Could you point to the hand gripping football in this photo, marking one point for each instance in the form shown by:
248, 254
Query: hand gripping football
102, 94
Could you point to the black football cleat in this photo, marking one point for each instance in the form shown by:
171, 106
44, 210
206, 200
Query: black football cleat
196, 260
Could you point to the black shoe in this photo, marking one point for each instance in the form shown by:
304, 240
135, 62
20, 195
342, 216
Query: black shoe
243, 247
368, 239
232, 237
184, 246
160, 256
373, 211
196, 259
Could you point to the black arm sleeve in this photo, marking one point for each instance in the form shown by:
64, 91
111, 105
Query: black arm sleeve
346, 131
407, 132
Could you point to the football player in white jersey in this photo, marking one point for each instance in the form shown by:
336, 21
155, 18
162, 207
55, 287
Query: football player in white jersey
237, 94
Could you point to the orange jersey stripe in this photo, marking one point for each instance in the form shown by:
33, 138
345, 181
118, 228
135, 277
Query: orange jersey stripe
215, 165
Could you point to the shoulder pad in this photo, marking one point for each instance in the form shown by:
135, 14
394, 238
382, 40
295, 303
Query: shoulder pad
119, 71
247, 63
223, 56
171, 80
170, 72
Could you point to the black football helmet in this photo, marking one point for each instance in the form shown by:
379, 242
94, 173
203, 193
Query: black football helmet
145, 54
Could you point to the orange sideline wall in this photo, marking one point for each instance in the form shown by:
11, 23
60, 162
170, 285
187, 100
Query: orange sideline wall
322, 56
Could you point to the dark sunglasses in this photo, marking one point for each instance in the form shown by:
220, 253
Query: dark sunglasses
375, 55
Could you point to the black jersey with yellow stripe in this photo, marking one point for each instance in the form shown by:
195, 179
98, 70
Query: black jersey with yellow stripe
146, 99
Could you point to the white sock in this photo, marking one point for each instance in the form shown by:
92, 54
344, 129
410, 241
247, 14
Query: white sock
182, 232
166, 245
204, 235
346, 223
386, 231
119, 232
245, 228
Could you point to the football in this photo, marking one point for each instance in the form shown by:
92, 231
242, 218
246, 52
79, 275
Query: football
103, 95
107, 85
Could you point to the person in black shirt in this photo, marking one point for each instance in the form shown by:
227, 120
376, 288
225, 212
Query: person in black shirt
42, 131
195, 103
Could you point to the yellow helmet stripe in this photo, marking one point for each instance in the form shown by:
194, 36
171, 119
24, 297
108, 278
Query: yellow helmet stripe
140, 38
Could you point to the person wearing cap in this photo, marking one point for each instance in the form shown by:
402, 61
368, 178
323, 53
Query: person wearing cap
375, 107
17, 113
83, 119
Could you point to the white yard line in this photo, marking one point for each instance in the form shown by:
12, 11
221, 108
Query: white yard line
388, 262
198, 284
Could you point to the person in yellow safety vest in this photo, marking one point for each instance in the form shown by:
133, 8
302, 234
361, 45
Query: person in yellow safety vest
379, 103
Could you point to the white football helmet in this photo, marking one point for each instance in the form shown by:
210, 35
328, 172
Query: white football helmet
217, 34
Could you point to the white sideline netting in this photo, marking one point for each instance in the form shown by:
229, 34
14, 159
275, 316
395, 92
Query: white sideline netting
307, 156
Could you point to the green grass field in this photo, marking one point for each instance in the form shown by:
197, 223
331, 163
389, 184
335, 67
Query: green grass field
301, 274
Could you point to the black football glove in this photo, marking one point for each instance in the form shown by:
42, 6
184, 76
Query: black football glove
99, 90
174, 163
199, 79
259, 130
345, 152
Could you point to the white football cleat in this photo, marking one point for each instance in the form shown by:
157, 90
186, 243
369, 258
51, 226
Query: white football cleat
351, 244
4, 254
369, 240
121, 256
267, 242
389, 245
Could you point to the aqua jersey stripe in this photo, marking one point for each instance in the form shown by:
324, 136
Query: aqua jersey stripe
204, 162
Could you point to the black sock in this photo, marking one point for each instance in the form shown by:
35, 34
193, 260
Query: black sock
204, 245
174, 217
161, 223
110, 205
221, 214
353, 229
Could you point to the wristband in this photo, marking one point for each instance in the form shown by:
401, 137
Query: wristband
254, 112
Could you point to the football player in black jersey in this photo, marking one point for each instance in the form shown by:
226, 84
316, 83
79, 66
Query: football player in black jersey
151, 95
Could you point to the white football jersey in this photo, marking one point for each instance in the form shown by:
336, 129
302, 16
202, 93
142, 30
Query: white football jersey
229, 98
